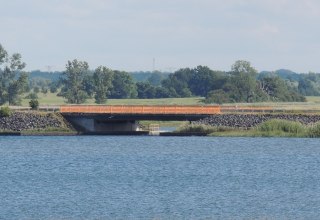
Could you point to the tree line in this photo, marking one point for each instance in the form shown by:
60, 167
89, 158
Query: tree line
241, 84
78, 83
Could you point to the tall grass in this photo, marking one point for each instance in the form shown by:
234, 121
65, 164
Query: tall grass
278, 125
271, 128
200, 128
314, 130
289, 128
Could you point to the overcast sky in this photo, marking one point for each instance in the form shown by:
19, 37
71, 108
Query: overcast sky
128, 34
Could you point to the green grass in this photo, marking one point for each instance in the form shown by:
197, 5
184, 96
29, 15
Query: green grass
164, 123
313, 99
53, 99
277, 125
62, 130
195, 128
271, 128
45, 99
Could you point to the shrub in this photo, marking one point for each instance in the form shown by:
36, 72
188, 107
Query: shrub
5, 112
34, 104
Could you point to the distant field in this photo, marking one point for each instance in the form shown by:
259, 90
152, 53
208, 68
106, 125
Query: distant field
52, 99
313, 103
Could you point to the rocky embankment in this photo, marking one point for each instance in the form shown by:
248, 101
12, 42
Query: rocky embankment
252, 120
20, 121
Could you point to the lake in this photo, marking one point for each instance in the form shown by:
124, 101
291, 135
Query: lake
144, 177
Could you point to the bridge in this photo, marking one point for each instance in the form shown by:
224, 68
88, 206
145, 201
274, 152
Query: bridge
113, 118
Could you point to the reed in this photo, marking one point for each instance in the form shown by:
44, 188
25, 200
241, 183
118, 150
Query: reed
277, 125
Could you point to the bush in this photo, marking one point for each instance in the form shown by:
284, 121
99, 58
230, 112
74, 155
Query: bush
5, 112
34, 104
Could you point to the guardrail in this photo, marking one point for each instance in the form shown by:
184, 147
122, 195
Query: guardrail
169, 109
48, 108
253, 109
139, 109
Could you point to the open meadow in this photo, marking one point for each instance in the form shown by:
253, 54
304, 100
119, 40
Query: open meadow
312, 104
53, 99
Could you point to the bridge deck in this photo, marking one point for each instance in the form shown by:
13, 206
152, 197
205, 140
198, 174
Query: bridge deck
140, 109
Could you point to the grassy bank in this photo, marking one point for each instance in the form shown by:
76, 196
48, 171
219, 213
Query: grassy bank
271, 128
50, 131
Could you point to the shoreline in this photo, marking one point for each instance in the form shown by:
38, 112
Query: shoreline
221, 125
248, 134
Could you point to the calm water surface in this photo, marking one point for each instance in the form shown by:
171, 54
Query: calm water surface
108, 177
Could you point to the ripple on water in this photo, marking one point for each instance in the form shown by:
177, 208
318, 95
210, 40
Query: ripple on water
91, 177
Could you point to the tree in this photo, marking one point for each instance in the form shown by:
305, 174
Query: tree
145, 90
161, 92
278, 90
205, 80
243, 80
73, 80
102, 78
309, 84
3, 55
53, 87
178, 83
243, 66
155, 78
123, 86
13, 82
218, 96
36, 89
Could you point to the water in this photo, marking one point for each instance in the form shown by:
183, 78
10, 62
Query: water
107, 177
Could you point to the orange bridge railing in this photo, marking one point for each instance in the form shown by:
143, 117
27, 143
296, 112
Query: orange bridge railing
140, 109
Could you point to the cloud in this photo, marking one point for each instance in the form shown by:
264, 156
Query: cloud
127, 33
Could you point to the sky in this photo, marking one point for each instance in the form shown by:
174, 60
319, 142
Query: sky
165, 35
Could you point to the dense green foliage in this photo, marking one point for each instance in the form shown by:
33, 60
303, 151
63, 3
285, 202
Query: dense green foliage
5, 111
78, 83
123, 86
102, 80
73, 80
241, 84
13, 82
34, 104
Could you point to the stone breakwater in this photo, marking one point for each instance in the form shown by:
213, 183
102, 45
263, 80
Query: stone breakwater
251, 120
20, 121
